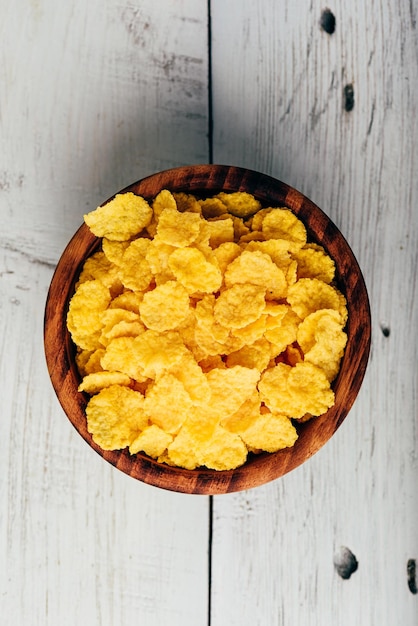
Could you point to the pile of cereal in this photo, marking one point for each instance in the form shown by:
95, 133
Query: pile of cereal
205, 328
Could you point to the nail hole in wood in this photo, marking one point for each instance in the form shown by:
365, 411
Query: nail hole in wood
385, 329
327, 21
411, 569
349, 97
345, 562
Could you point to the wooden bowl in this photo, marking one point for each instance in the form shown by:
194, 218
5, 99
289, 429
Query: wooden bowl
206, 180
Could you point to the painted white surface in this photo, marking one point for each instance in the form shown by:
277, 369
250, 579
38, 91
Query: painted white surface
94, 95
280, 110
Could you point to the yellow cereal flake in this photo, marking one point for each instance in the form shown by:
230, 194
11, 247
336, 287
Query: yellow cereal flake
120, 356
212, 207
115, 417
95, 382
277, 249
194, 272
274, 393
239, 305
250, 333
124, 329
114, 250
239, 203
205, 329
270, 432
93, 363
281, 330
187, 202
250, 236
153, 441
246, 414
206, 321
155, 352
219, 231
201, 424
230, 388
240, 228
223, 451
84, 313
81, 360
178, 229
88, 361
166, 307
296, 391
313, 262
164, 200
182, 451
257, 268
255, 356
283, 224
167, 403
193, 379
322, 340
128, 300
157, 255
111, 319
308, 295
309, 384
257, 219
225, 253
134, 271
120, 219
197, 430
98, 268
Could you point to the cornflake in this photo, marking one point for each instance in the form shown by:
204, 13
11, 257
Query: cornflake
206, 328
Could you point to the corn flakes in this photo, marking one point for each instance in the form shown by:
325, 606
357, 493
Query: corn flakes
223, 451
84, 313
95, 382
167, 403
178, 229
296, 391
205, 328
115, 417
120, 219
134, 270
166, 307
231, 387
153, 440
239, 305
194, 272
270, 432
257, 268
239, 203
129, 300
308, 295
313, 262
322, 339
284, 225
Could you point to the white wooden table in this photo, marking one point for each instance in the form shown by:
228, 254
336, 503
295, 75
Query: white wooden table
95, 95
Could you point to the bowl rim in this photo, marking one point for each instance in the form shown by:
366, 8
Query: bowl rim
209, 179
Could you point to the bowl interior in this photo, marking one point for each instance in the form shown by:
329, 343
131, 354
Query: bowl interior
206, 180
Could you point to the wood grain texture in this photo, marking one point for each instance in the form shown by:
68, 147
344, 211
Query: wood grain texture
93, 96
96, 95
202, 181
282, 110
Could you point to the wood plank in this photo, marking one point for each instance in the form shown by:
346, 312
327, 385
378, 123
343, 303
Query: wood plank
282, 110
94, 96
